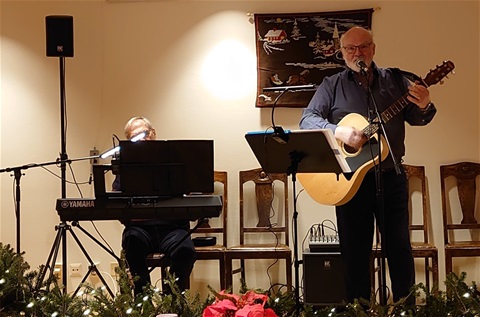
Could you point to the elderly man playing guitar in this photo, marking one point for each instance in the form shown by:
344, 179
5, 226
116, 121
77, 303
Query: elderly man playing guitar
347, 103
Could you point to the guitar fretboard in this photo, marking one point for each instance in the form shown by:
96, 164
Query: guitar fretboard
386, 115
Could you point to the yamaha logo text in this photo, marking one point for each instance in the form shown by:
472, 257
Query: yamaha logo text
78, 203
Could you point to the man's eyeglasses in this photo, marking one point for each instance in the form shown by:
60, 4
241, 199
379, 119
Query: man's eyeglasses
363, 48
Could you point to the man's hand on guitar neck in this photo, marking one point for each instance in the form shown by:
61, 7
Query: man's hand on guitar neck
350, 136
419, 95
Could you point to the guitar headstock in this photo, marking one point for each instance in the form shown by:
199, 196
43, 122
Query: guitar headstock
441, 71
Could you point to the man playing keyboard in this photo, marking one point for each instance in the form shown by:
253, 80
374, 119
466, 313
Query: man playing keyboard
143, 237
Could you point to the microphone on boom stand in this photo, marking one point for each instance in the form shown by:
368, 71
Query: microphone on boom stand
363, 67
279, 133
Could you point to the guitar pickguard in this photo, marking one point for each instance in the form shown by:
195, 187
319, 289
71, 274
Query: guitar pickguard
368, 152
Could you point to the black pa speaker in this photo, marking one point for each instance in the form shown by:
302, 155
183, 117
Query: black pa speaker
323, 274
59, 31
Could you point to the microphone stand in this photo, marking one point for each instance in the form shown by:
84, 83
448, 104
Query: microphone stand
280, 136
17, 173
380, 188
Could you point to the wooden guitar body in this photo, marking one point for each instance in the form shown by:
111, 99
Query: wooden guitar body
333, 189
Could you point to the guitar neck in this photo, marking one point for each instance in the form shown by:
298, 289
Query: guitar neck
386, 115
433, 77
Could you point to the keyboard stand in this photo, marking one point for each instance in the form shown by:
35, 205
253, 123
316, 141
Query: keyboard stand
92, 267
62, 230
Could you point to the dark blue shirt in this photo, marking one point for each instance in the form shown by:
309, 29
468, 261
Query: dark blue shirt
342, 94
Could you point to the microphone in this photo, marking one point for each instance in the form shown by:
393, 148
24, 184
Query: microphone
290, 88
361, 64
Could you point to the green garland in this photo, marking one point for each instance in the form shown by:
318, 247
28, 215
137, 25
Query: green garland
21, 296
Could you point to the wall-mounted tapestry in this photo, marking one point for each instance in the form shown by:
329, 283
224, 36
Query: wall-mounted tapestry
300, 49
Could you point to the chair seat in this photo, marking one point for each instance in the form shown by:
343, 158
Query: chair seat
211, 248
467, 245
259, 252
259, 248
157, 260
416, 247
422, 247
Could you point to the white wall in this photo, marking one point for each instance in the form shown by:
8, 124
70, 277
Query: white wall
147, 58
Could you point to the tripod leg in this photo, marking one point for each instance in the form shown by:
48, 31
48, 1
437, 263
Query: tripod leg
52, 257
91, 268
76, 224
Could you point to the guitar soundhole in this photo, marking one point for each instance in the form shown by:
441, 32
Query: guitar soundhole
348, 149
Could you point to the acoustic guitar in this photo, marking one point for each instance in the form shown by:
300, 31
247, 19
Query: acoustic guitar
333, 189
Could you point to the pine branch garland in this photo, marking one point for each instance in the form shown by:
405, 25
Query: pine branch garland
21, 296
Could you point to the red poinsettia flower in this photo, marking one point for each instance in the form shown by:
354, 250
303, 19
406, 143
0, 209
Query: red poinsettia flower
253, 298
270, 313
219, 308
255, 310
233, 297
250, 304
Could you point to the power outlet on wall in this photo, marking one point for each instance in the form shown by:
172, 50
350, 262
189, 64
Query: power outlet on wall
93, 153
113, 268
75, 269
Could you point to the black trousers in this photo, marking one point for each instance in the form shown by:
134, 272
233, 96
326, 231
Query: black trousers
355, 221
138, 241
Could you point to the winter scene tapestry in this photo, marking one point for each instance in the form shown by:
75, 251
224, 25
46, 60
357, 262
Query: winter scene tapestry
300, 50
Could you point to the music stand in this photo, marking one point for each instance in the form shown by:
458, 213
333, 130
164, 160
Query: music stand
167, 168
304, 151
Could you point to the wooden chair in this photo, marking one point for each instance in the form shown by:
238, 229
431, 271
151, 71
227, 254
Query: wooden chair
219, 231
460, 227
256, 224
216, 228
158, 260
419, 234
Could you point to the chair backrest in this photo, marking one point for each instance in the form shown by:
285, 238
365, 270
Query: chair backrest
417, 183
459, 209
217, 227
266, 200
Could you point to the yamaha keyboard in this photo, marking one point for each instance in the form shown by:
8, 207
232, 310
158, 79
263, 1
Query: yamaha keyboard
190, 207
